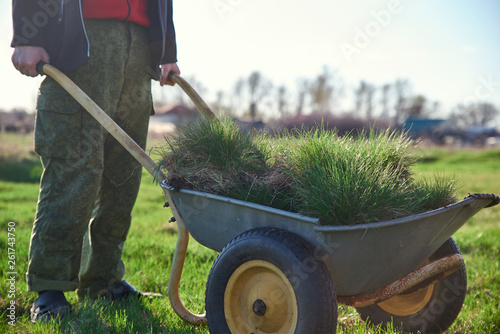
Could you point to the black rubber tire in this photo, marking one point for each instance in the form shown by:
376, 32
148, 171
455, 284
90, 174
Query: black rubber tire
439, 312
301, 266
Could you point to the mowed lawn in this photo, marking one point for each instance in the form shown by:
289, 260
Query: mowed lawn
150, 247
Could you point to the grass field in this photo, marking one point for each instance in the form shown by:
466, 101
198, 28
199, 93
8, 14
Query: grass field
149, 250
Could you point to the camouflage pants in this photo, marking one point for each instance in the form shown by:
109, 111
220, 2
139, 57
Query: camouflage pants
90, 183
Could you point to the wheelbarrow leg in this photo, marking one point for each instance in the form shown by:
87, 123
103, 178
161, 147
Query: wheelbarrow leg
176, 271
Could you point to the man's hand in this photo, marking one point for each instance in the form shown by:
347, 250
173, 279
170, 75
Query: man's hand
25, 59
165, 69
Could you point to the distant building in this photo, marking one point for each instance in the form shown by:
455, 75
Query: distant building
417, 126
17, 121
176, 114
168, 117
440, 131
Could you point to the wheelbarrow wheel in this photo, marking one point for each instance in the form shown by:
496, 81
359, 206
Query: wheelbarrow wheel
431, 309
269, 280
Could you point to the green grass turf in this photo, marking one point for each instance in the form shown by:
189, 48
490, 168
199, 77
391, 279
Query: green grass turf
149, 250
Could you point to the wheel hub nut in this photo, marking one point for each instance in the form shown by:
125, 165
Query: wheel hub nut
259, 307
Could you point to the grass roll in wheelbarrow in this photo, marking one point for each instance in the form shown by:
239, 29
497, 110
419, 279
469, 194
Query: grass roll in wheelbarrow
284, 272
358, 178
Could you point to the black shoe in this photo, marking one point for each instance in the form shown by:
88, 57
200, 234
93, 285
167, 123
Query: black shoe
123, 290
49, 305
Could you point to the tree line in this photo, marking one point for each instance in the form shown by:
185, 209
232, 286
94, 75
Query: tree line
256, 97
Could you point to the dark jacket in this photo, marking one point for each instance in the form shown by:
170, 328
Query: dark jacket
57, 26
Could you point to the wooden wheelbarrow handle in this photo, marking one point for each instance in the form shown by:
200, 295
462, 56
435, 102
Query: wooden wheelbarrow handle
138, 153
121, 136
202, 107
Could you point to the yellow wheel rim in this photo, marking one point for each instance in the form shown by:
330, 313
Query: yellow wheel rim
260, 299
404, 305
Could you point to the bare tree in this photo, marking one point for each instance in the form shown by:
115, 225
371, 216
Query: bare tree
474, 114
302, 90
219, 101
384, 100
370, 91
435, 107
258, 88
282, 99
254, 81
220, 107
401, 87
321, 91
364, 96
417, 107
238, 93
359, 94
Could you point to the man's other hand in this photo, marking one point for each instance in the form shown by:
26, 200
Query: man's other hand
25, 59
165, 69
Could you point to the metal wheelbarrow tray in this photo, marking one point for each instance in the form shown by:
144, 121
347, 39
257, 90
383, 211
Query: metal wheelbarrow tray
280, 272
399, 270
360, 258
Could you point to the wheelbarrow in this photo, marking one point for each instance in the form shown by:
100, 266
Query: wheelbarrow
281, 272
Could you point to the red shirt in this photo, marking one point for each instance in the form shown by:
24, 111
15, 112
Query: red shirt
128, 10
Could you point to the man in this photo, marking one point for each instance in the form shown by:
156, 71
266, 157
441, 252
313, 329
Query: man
111, 49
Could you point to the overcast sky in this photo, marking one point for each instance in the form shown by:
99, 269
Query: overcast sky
448, 50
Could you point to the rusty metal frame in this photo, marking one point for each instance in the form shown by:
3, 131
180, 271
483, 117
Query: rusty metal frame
417, 279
